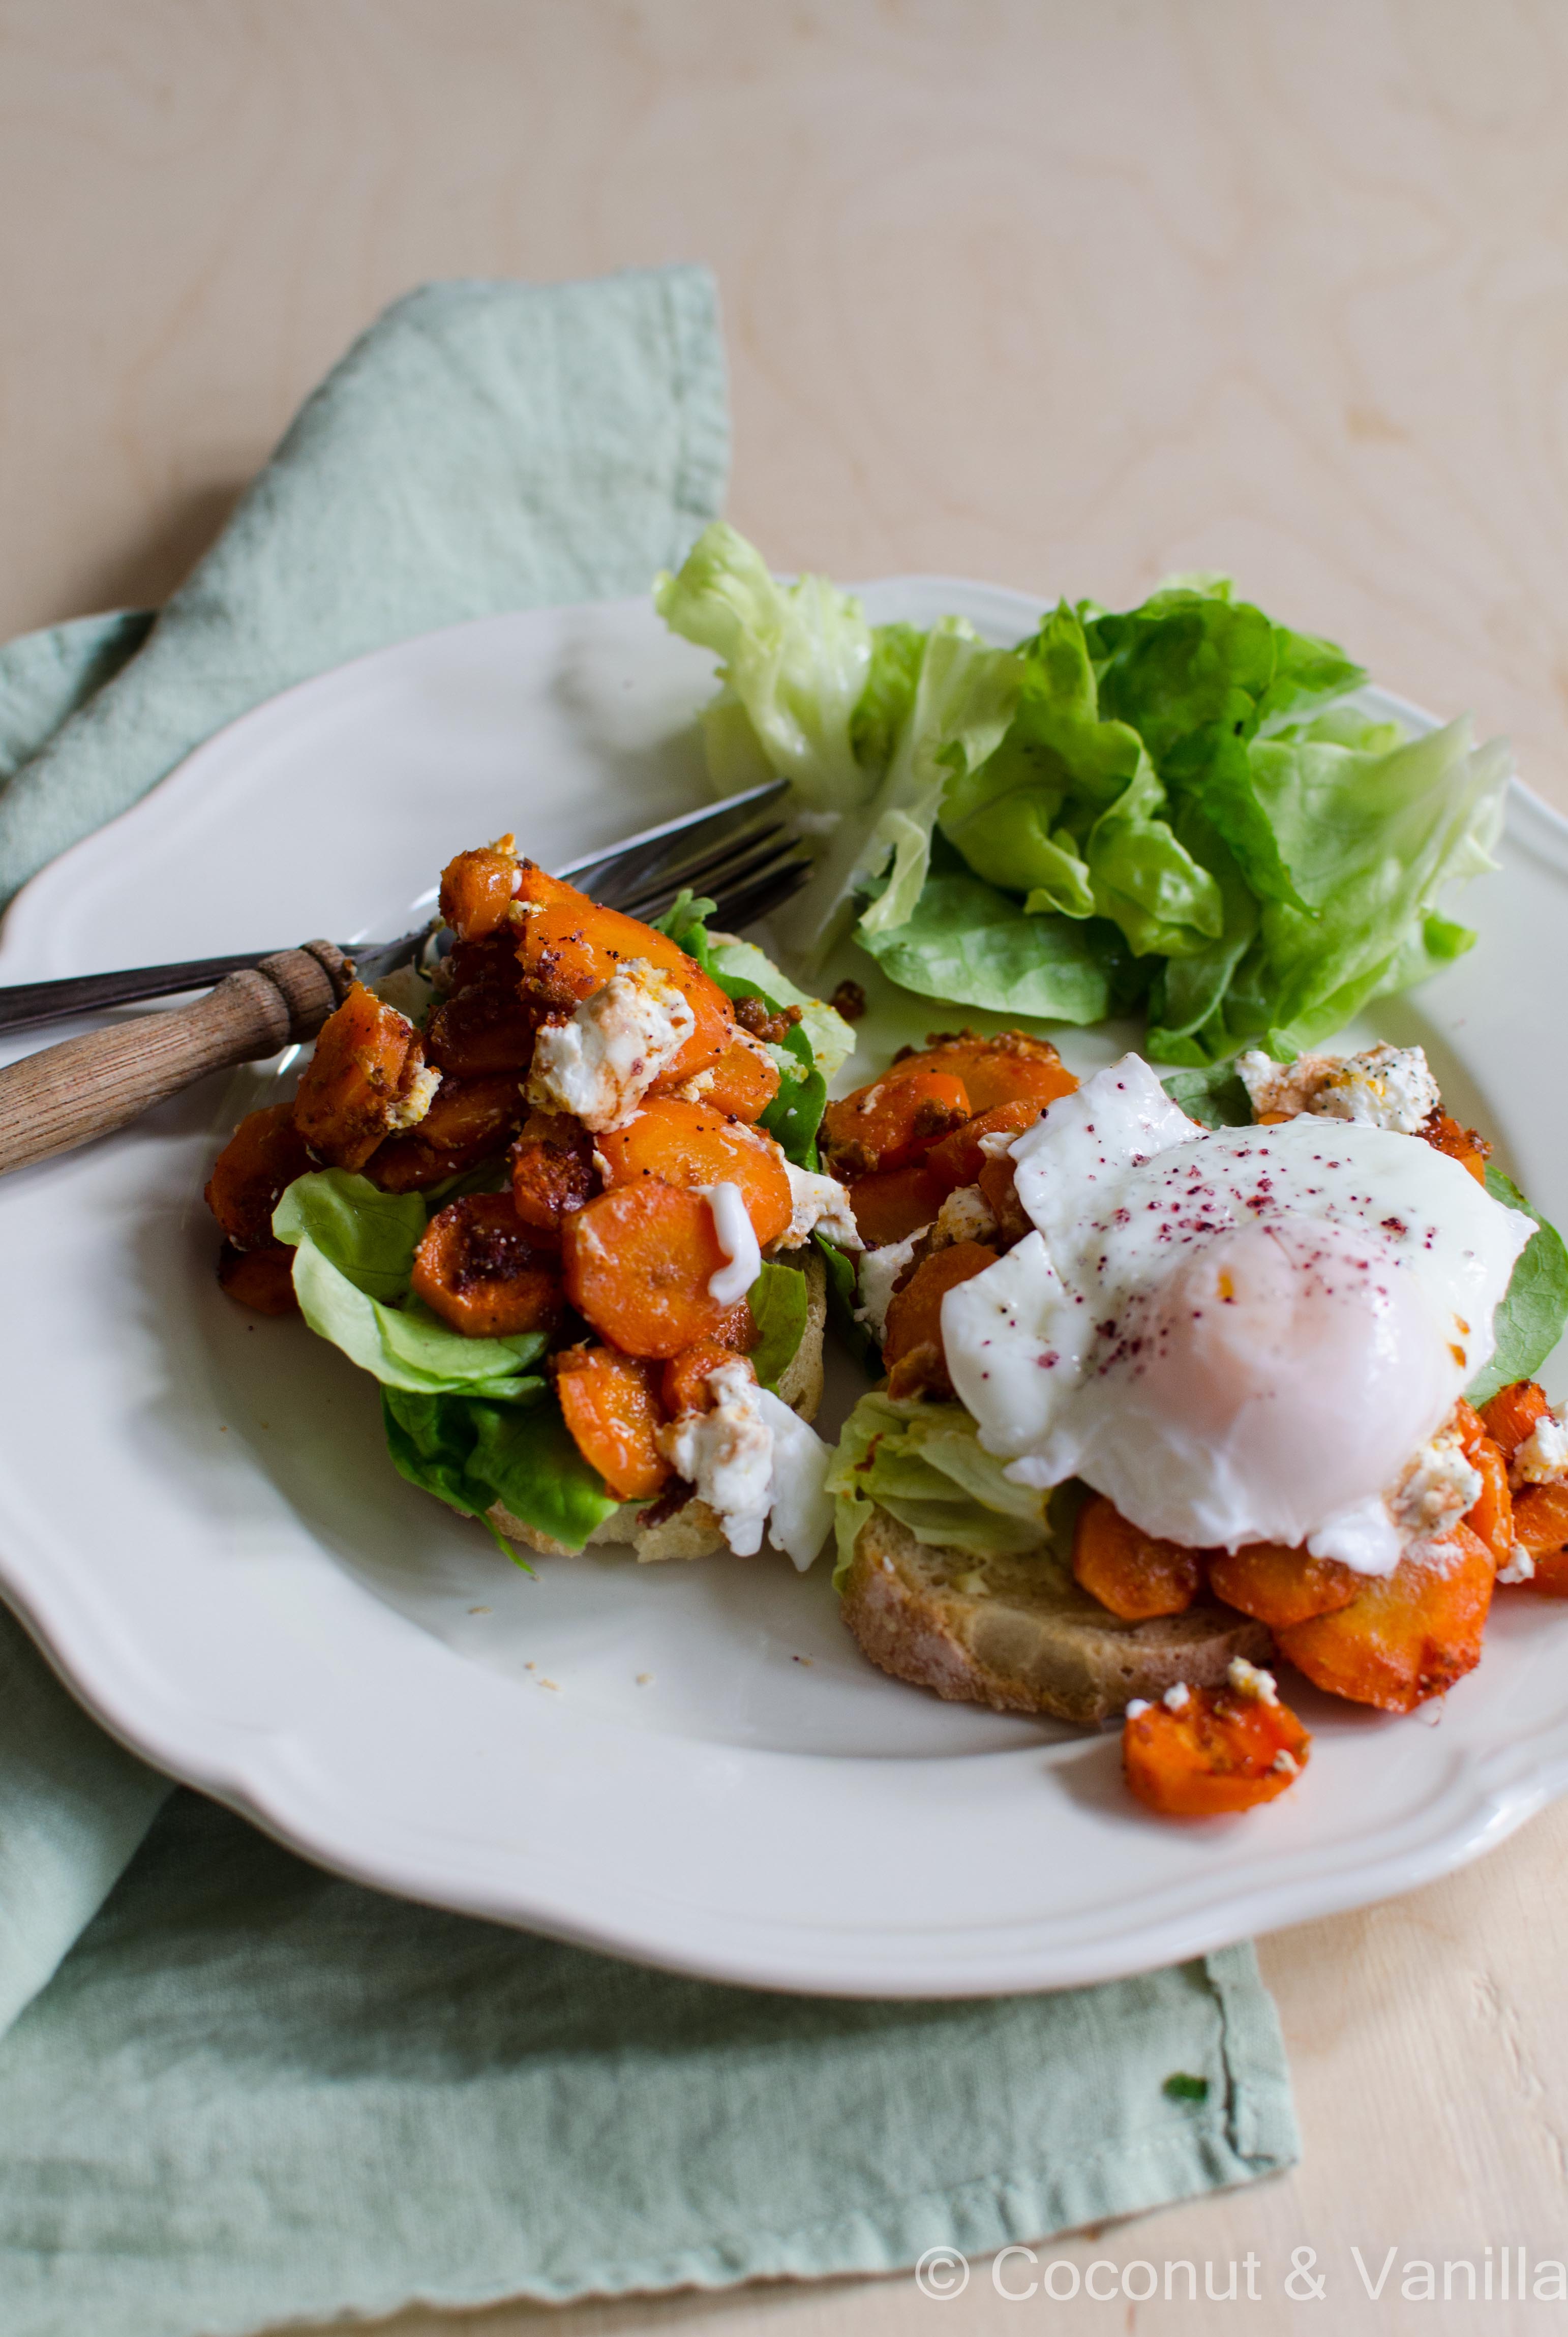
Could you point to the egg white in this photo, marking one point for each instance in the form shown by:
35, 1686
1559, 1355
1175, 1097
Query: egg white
1237, 1335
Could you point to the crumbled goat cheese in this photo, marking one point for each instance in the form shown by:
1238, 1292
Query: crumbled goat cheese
965, 1215
879, 1270
1382, 1087
411, 1109
1542, 1458
737, 1238
1286, 1763
602, 1062
1250, 1680
819, 1204
755, 1464
1175, 1698
1139, 1704
1436, 1489
1521, 1566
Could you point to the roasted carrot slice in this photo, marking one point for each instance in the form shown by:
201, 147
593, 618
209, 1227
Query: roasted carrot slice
1443, 1133
477, 1268
613, 1412
684, 1386
366, 1056
568, 947
892, 1122
1540, 1521
743, 1082
482, 1028
1280, 1585
1404, 1636
958, 1159
1219, 1752
1490, 1518
469, 1121
999, 1183
686, 1144
912, 1346
638, 1262
264, 1153
1511, 1417
261, 1279
1128, 1570
552, 1172
895, 1203
477, 889
1009, 1066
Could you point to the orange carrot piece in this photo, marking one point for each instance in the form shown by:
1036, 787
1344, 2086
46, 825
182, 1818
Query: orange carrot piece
743, 1082
568, 947
1128, 1570
1009, 1066
477, 1267
1406, 1635
684, 1386
1491, 1518
638, 1262
1540, 1521
613, 1412
482, 1028
261, 1279
1444, 1134
365, 1059
958, 1159
1220, 1752
687, 1144
891, 1122
1511, 1417
469, 1121
552, 1173
265, 1154
477, 889
1279, 1586
894, 1203
912, 1346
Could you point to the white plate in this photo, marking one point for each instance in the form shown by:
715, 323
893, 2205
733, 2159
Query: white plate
199, 1522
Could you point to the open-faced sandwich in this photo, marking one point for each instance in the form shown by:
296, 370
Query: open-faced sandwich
566, 1209
1171, 1391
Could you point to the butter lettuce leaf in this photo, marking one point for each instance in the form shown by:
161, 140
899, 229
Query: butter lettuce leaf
969, 942
1529, 1320
471, 1452
779, 1304
923, 1463
370, 1237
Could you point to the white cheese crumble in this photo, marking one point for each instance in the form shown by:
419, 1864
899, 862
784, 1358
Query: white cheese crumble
879, 1270
1139, 1704
1286, 1763
602, 1061
1382, 1087
737, 1238
1250, 1680
965, 1215
1176, 1697
408, 1111
1542, 1458
1521, 1566
1436, 1489
756, 1464
819, 1204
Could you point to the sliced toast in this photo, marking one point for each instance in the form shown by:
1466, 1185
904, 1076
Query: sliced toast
1019, 1634
693, 1531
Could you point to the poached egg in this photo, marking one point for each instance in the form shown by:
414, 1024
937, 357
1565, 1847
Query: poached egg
1239, 1334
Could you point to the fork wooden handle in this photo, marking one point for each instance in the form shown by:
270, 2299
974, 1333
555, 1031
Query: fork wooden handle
66, 1095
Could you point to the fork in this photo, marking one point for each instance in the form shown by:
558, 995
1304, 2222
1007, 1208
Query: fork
739, 853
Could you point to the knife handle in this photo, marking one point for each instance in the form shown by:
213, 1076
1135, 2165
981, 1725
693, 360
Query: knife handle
67, 1095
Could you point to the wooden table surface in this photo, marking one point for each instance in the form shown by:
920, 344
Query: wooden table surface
1051, 293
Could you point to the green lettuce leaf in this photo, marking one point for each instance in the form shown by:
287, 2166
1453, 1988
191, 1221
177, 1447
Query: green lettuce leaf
833, 1040
843, 1298
471, 1452
779, 1304
970, 943
795, 660
1215, 1098
923, 1463
889, 694
370, 1237
1529, 1321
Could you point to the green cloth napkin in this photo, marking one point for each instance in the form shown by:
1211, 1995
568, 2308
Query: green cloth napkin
234, 2090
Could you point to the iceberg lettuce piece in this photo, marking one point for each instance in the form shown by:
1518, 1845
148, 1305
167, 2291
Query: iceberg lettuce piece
923, 1463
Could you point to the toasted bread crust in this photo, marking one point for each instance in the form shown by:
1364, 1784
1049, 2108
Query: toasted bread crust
1020, 1635
694, 1530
